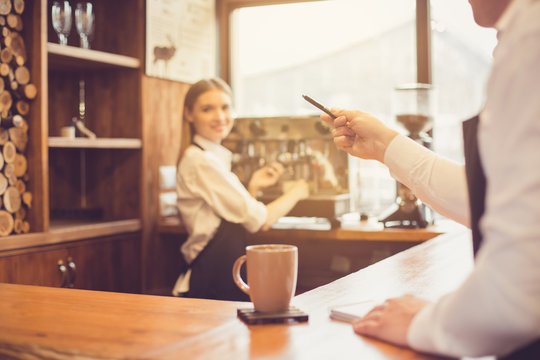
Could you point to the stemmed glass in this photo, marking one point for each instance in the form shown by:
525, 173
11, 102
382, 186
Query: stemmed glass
84, 21
61, 20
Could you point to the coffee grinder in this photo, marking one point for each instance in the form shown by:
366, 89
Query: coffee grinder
414, 109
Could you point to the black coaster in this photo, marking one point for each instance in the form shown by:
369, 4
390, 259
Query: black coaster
252, 317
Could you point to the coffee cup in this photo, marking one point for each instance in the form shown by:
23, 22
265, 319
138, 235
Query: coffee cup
67, 132
272, 271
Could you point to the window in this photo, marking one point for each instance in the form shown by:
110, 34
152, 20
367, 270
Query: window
461, 59
344, 53
352, 54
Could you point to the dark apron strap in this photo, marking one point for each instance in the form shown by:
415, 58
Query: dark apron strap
211, 271
197, 145
476, 182
528, 352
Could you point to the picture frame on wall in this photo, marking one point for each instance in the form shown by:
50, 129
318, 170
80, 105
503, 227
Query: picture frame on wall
180, 39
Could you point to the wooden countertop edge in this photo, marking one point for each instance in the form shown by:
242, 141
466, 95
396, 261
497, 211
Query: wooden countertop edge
69, 233
173, 226
409, 235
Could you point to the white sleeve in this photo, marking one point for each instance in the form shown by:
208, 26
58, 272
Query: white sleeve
221, 189
436, 181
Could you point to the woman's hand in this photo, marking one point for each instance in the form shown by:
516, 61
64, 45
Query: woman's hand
299, 189
391, 320
264, 177
360, 134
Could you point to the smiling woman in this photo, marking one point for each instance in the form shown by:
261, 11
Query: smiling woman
217, 210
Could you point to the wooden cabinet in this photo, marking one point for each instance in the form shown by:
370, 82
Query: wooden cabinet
109, 264
34, 268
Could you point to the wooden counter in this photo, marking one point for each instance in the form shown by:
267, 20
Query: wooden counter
324, 254
42, 322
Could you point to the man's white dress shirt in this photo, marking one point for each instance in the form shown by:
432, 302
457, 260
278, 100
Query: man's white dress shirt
497, 309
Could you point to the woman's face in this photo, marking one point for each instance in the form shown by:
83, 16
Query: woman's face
212, 115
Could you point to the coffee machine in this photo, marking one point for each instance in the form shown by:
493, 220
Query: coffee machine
305, 148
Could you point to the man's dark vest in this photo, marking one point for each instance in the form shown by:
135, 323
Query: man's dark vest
476, 182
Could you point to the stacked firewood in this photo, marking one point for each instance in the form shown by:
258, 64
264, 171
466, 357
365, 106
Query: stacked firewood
16, 93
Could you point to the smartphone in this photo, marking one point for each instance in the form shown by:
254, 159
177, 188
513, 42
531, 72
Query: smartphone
319, 106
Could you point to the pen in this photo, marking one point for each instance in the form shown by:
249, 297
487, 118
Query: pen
318, 105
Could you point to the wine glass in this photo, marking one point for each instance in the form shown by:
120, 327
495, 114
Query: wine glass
84, 21
61, 20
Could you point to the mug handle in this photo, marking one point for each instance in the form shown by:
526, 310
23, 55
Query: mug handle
236, 274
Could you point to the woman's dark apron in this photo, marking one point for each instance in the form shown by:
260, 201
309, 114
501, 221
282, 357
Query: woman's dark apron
476, 182
211, 271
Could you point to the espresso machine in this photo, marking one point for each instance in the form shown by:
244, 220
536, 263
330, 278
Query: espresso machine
305, 148
414, 109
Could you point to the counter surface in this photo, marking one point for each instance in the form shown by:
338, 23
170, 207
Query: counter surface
349, 232
56, 323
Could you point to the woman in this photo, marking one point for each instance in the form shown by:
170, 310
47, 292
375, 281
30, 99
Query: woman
217, 210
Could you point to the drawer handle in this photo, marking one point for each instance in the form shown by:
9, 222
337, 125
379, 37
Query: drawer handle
63, 270
72, 272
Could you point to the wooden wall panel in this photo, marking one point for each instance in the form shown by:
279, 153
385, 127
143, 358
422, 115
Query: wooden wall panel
162, 103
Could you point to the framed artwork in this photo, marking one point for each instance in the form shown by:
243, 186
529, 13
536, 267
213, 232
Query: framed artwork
180, 39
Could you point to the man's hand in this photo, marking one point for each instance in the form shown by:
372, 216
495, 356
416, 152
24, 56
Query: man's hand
360, 134
390, 321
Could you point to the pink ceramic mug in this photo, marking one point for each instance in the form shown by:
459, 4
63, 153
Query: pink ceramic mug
272, 271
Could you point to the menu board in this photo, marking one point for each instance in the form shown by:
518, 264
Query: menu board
180, 39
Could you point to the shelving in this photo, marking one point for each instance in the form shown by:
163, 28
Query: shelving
115, 175
87, 198
71, 57
82, 175
96, 179
99, 143
61, 231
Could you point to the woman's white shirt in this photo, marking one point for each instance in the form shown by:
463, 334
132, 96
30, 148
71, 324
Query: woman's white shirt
209, 191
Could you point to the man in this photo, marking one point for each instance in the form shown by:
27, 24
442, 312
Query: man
496, 311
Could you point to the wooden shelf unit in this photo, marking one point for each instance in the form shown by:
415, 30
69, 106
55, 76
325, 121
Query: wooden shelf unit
71, 57
96, 183
98, 143
62, 231
100, 175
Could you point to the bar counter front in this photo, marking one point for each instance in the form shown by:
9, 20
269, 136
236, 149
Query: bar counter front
56, 323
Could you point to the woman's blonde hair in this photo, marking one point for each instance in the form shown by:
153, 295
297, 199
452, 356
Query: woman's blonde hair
196, 90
